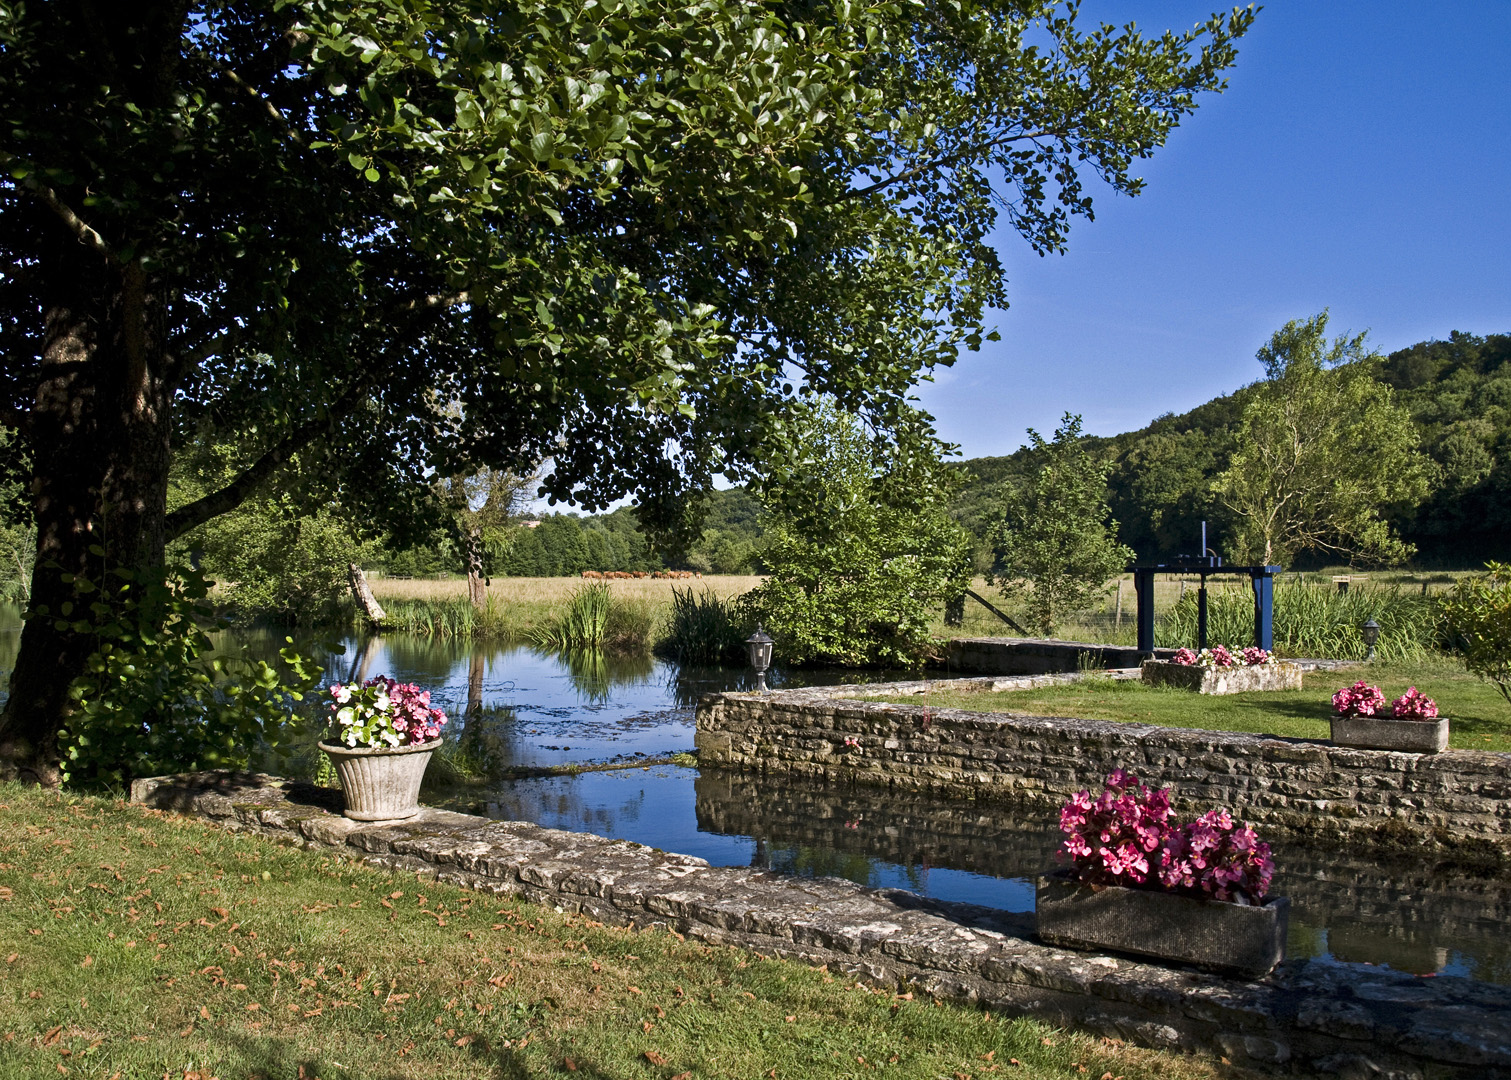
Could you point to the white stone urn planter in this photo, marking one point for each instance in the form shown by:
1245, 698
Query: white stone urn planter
381, 784
1387, 733
1232, 939
1219, 680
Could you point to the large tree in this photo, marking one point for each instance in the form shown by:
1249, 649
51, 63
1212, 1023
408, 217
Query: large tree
401, 240
1322, 453
859, 542
1056, 542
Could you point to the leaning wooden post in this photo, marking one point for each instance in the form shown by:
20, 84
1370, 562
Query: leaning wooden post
364, 595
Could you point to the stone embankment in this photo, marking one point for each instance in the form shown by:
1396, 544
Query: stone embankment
1305, 1016
1458, 801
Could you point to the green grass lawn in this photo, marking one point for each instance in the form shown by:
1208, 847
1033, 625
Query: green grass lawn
1480, 718
138, 945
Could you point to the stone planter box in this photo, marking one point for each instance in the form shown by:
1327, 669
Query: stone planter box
1384, 733
381, 784
1232, 939
1232, 680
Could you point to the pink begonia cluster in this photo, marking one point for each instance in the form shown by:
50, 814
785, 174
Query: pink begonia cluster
1221, 656
1125, 837
1217, 857
1414, 705
384, 712
1360, 699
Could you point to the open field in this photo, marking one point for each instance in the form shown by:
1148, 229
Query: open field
139, 945
549, 591
1480, 719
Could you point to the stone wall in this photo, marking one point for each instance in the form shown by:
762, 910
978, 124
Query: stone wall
1378, 906
1308, 1017
1458, 800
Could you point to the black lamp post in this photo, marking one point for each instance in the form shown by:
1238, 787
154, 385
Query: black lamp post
1370, 632
758, 645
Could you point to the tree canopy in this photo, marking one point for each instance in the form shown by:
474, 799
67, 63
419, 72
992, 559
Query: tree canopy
1056, 542
1322, 450
394, 241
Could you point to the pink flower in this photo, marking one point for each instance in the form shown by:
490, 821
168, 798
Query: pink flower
1360, 699
1414, 705
1124, 836
1221, 657
1184, 656
1254, 656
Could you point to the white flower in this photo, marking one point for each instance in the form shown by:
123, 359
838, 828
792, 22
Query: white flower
342, 694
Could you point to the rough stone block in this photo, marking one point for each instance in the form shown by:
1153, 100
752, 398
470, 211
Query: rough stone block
1215, 680
1229, 938
1383, 733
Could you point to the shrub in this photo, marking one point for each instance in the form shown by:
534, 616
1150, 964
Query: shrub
1478, 618
156, 696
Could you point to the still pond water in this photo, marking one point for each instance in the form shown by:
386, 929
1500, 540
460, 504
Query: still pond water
532, 709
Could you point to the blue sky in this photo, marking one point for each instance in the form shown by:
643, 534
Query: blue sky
1359, 161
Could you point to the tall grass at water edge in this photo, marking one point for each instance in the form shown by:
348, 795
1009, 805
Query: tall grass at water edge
1313, 621
597, 619
701, 628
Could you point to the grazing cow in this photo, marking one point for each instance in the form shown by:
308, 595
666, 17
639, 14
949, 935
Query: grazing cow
592, 574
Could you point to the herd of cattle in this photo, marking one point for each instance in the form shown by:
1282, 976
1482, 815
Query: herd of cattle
614, 575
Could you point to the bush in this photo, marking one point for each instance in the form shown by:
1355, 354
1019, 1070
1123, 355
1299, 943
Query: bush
156, 698
1478, 620
859, 542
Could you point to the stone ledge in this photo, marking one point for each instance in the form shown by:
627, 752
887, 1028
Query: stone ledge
1307, 1016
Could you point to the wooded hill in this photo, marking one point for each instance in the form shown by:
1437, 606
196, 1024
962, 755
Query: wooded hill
1160, 489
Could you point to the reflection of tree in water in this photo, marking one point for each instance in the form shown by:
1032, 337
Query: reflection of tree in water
595, 674
488, 740
815, 862
428, 661
559, 803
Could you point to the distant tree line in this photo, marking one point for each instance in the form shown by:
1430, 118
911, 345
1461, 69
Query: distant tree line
556, 545
1164, 478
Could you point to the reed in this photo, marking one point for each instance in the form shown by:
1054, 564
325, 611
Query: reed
1313, 620
701, 628
583, 625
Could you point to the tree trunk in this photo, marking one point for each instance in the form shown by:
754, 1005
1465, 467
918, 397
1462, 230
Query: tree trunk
99, 433
364, 596
475, 683
477, 591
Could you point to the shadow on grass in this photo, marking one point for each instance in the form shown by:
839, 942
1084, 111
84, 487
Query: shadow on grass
272, 1057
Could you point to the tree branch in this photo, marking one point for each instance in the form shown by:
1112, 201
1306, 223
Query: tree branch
947, 160
49, 198
236, 492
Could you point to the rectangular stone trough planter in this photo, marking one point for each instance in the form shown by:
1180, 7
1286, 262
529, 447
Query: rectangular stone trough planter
1384, 733
1231, 939
1233, 680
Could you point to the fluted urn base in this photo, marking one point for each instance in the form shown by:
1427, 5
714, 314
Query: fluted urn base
381, 784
